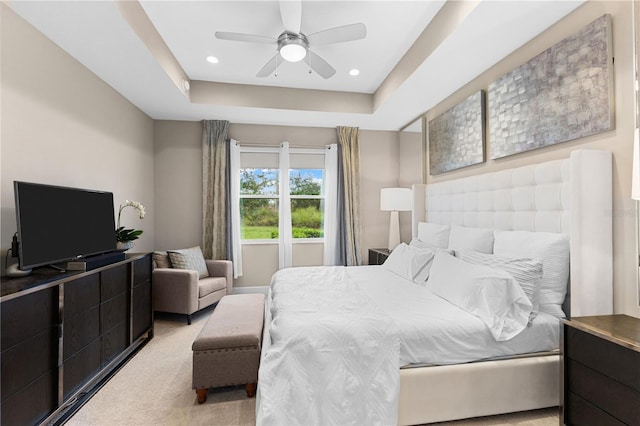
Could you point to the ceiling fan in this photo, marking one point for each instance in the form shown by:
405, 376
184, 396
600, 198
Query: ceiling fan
294, 46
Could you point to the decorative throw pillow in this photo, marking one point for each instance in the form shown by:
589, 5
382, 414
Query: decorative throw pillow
190, 258
526, 271
161, 259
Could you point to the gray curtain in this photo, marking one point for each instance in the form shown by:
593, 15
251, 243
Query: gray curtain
214, 188
349, 139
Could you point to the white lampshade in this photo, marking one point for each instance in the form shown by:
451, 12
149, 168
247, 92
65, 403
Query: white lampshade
395, 199
635, 179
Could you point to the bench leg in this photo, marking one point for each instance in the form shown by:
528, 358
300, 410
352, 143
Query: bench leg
202, 395
251, 389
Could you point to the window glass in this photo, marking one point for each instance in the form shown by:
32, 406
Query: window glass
259, 196
259, 181
258, 203
307, 205
258, 218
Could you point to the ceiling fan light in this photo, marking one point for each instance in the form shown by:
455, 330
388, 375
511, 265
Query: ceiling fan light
293, 52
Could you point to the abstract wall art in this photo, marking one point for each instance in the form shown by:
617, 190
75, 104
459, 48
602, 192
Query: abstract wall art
564, 93
456, 137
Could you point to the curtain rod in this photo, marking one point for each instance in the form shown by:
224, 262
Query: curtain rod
255, 145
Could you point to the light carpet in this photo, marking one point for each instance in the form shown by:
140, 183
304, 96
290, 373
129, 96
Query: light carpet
154, 388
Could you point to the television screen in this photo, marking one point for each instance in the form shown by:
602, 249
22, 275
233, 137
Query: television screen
56, 223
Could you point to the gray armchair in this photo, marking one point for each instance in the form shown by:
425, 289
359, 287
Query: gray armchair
180, 291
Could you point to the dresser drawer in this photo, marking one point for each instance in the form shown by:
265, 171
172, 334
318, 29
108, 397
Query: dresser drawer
604, 356
620, 401
583, 413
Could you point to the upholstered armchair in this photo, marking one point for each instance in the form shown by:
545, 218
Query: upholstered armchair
181, 291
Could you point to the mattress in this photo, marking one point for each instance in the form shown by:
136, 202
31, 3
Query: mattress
435, 332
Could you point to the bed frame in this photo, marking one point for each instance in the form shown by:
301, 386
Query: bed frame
571, 196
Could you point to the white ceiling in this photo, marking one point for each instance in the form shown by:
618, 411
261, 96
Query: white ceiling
96, 34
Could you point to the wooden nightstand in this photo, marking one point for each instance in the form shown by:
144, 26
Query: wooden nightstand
601, 363
377, 256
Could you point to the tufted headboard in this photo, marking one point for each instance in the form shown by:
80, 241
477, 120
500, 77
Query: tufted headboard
571, 196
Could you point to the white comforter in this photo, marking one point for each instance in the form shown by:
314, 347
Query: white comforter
333, 356
335, 338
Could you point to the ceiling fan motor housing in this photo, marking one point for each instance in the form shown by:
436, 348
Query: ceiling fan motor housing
292, 47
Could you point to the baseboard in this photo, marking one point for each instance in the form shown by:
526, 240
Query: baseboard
264, 289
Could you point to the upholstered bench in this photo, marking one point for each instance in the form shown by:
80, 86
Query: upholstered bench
227, 350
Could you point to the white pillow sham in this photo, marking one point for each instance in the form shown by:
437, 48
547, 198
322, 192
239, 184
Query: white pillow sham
553, 250
490, 294
410, 262
464, 237
526, 271
433, 234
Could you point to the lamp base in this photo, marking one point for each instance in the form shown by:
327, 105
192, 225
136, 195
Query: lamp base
394, 230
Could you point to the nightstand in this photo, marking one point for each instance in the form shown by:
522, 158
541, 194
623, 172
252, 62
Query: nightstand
601, 363
377, 256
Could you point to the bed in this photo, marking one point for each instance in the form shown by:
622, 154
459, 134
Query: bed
303, 382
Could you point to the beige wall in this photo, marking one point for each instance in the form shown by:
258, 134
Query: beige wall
178, 190
62, 125
619, 141
178, 184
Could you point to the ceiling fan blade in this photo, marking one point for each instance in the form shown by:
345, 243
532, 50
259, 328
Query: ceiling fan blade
291, 14
338, 34
269, 67
249, 38
319, 65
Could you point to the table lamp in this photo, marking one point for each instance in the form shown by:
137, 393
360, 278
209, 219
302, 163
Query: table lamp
395, 200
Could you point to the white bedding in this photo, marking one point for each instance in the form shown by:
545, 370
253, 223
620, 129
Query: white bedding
434, 331
335, 338
332, 357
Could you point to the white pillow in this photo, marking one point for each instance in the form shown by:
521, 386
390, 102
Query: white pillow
478, 239
410, 263
553, 250
490, 294
417, 243
434, 234
526, 271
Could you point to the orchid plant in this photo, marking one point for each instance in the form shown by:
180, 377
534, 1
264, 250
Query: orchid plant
122, 234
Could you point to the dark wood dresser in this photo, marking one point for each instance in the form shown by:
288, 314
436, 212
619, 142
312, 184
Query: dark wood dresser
601, 371
64, 334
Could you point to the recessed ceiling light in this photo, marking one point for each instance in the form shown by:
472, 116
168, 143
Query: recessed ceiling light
212, 59
354, 72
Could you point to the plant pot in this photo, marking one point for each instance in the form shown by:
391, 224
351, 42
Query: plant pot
124, 245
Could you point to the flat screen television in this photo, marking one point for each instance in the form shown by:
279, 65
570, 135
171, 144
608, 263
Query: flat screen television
57, 224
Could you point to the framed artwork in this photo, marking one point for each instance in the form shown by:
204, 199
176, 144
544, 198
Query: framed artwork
456, 137
564, 93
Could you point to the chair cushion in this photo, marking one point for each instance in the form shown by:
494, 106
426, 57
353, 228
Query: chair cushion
190, 258
210, 284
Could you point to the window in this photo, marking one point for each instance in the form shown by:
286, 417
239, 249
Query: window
260, 197
259, 203
307, 202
